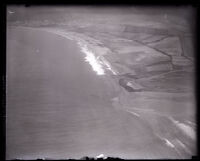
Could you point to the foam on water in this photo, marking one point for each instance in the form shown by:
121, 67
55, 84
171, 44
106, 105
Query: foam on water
93, 61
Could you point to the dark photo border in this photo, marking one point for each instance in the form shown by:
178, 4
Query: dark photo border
3, 5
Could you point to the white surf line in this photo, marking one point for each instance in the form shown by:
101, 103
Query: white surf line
186, 129
140, 109
93, 61
191, 123
97, 63
183, 146
168, 143
90, 56
105, 62
177, 124
134, 113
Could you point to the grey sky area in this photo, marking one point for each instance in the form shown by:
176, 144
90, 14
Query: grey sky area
100, 82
